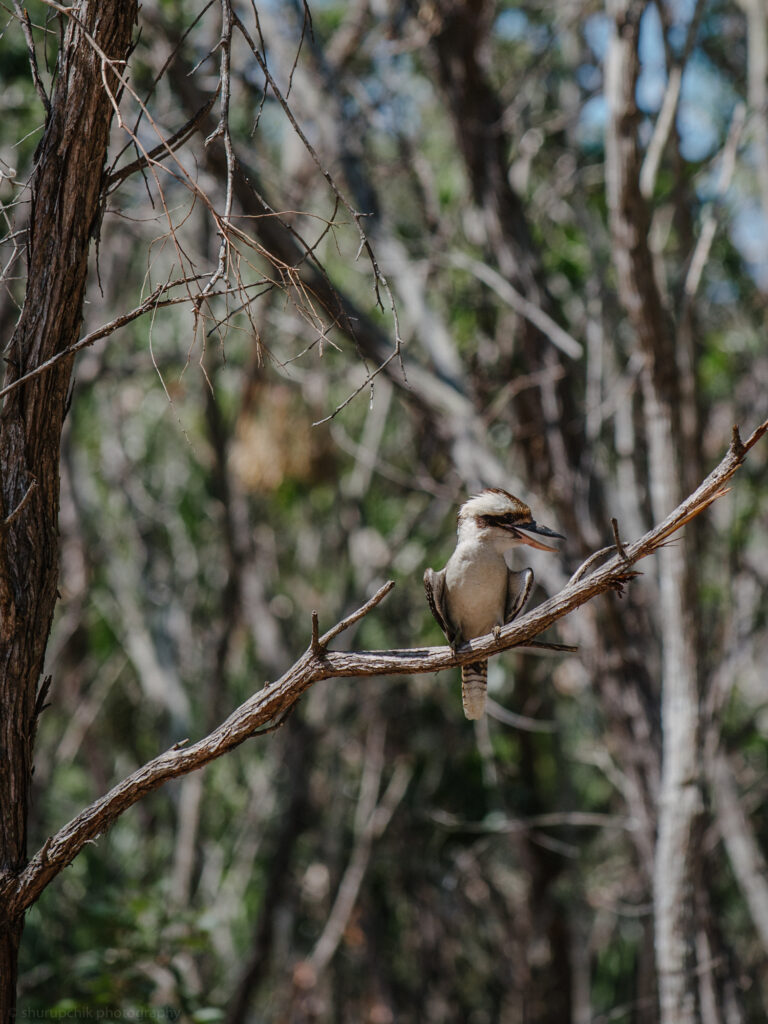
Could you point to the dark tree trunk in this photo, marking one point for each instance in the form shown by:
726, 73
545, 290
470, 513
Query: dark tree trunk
65, 215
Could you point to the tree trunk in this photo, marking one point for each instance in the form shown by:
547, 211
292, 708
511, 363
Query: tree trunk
680, 799
65, 215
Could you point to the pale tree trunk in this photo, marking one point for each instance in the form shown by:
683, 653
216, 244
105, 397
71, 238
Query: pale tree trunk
65, 215
680, 801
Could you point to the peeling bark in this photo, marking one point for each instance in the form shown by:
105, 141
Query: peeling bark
65, 215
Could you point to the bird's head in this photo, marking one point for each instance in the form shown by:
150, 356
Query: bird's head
499, 514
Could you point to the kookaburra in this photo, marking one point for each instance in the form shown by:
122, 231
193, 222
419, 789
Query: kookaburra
476, 593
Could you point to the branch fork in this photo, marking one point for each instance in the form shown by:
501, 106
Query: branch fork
319, 645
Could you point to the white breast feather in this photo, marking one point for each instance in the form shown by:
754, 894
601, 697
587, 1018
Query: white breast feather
476, 585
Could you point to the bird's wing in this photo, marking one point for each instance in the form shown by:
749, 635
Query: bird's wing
434, 585
518, 589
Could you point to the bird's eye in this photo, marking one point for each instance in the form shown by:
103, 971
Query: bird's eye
507, 519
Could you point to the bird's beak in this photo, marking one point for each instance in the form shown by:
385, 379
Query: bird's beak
544, 531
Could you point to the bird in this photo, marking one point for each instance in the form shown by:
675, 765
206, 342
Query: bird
476, 593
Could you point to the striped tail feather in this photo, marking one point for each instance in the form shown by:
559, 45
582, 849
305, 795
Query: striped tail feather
474, 684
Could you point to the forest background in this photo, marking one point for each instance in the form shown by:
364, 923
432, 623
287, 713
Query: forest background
350, 263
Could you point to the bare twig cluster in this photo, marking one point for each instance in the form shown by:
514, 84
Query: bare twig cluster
245, 269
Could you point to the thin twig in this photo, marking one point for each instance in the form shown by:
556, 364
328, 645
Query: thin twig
222, 130
541, 645
666, 118
522, 722
152, 302
380, 281
569, 819
371, 818
40, 706
350, 620
163, 149
559, 337
8, 522
26, 28
617, 539
587, 564
315, 644
368, 382
709, 225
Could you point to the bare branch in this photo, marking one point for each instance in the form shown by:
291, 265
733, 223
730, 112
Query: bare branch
315, 642
617, 538
165, 148
19, 891
151, 303
350, 620
709, 225
757, 92
666, 118
522, 722
222, 130
534, 314
380, 281
26, 27
372, 818
748, 863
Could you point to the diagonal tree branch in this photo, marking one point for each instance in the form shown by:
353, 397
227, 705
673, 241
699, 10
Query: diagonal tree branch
373, 815
18, 891
746, 857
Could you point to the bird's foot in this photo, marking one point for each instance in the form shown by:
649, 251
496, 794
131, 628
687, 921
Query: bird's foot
496, 632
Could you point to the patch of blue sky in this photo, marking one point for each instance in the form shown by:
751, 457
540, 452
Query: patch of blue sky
706, 100
597, 32
652, 80
397, 95
591, 128
748, 229
719, 289
707, 181
706, 105
679, 13
514, 25
589, 77
699, 131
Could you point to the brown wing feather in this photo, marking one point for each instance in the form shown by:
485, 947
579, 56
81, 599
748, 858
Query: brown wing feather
434, 586
518, 590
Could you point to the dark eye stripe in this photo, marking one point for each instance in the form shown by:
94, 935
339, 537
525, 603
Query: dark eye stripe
508, 519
